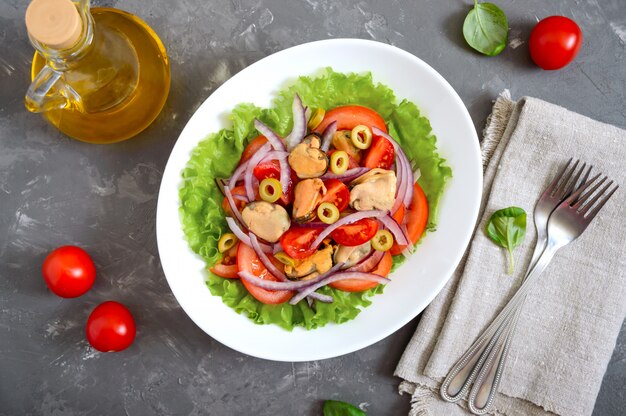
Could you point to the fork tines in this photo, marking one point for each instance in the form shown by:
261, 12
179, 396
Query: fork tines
568, 179
580, 199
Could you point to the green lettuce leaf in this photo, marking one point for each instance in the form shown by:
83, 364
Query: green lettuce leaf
216, 157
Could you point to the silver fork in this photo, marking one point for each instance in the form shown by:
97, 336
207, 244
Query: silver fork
483, 391
493, 344
463, 373
566, 223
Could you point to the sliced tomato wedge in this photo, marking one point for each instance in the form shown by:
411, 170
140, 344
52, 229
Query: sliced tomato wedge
417, 215
252, 147
237, 190
296, 242
380, 154
399, 215
228, 271
357, 233
417, 218
247, 260
353, 285
337, 193
227, 266
350, 116
384, 266
265, 170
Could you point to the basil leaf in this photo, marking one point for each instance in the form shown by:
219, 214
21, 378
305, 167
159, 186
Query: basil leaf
507, 228
337, 408
486, 29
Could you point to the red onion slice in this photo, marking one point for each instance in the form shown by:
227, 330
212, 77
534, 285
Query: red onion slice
327, 136
271, 285
368, 263
274, 139
241, 197
313, 224
347, 176
242, 236
252, 162
232, 204
232, 182
275, 155
285, 174
278, 144
401, 187
266, 260
401, 238
370, 277
410, 248
346, 220
379, 132
289, 285
401, 173
285, 170
408, 178
417, 173
299, 123
320, 297
407, 173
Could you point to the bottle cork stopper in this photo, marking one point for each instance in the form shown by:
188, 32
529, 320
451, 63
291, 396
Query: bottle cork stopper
55, 23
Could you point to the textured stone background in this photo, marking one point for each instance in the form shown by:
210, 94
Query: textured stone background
55, 191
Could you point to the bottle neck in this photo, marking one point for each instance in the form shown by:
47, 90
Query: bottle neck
63, 59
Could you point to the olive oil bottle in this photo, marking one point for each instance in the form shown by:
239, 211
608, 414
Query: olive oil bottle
99, 75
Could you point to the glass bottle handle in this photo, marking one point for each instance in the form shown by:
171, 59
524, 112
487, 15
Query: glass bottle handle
49, 91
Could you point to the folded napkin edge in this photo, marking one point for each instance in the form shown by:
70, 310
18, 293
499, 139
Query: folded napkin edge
421, 397
496, 125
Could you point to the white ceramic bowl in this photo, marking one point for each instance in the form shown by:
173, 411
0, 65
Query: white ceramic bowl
414, 285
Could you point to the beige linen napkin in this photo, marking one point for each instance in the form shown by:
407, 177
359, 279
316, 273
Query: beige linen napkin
572, 317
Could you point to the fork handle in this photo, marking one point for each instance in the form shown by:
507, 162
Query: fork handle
465, 370
488, 379
489, 375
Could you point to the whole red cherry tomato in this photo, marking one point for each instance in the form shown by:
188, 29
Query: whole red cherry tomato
555, 42
69, 271
110, 327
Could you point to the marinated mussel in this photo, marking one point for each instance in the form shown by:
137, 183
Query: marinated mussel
375, 189
266, 220
307, 160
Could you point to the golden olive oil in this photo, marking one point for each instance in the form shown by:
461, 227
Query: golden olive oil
122, 80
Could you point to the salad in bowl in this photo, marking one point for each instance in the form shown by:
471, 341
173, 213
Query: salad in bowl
302, 211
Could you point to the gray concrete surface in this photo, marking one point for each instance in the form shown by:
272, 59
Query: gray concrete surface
56, 191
